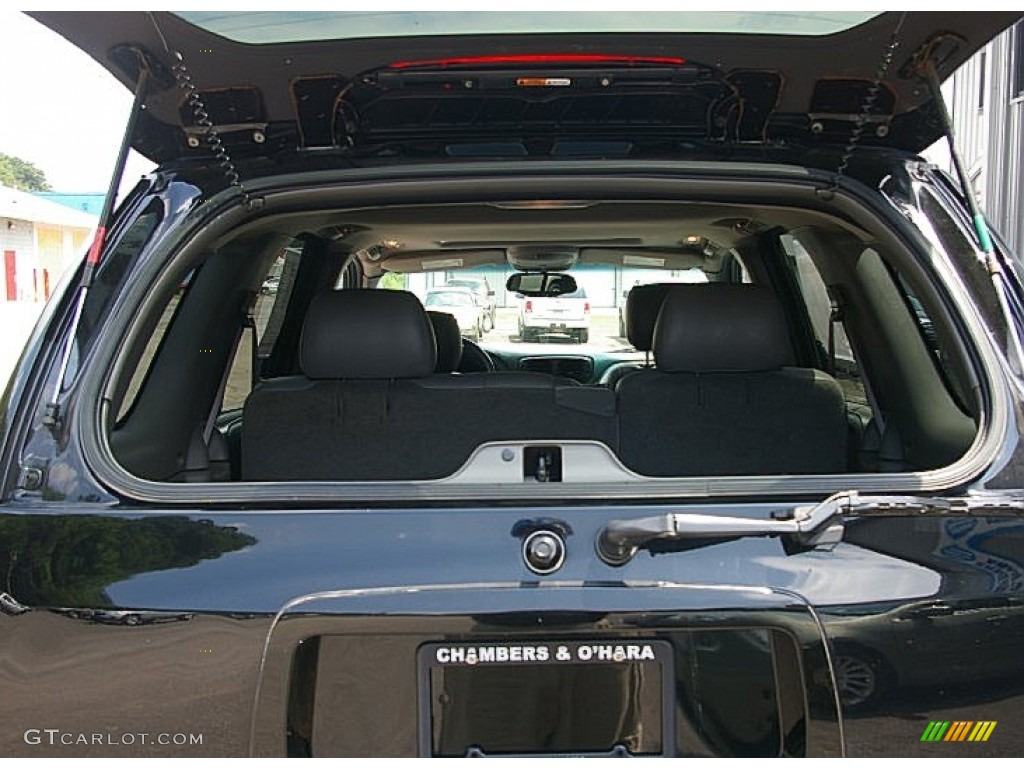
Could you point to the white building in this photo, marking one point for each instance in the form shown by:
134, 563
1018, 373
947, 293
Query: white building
39, 239
986, 99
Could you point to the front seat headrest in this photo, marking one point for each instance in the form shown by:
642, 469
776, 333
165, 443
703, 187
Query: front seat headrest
367, 333
721, 327
449, 341
642, 306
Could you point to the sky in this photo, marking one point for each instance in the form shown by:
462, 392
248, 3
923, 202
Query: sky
60, 109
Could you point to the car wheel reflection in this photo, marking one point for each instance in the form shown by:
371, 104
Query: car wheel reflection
861, 677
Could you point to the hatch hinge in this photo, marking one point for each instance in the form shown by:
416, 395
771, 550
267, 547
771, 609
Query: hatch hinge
937, 50
33, 474
133, 58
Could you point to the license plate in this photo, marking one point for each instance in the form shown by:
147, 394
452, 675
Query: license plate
570, 698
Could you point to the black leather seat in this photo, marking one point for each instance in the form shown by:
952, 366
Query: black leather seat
642, 306
370, 407
723, 398
449, 341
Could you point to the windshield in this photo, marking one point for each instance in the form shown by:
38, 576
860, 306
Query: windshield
591, 319
292, 26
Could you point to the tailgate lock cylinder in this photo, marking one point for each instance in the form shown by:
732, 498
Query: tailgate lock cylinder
544, 551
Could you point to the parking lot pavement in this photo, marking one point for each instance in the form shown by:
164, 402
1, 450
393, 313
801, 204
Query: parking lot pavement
16, 319
120, 665
894, 728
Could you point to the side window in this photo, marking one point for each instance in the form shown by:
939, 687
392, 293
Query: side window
114, 268
819, 308
956, 239
267, 315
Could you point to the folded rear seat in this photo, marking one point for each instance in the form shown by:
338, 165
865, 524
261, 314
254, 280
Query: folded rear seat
724, 397
370, 407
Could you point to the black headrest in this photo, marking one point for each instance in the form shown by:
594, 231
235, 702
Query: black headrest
642, 306
721, 327
367, 334
449, 341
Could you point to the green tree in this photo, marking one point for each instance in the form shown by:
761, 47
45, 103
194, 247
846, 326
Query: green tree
392, 281
70, 560
21, 174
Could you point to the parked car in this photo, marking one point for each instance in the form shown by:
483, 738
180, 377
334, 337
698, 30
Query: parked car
546, 554
484, 297
881, 653
567, 315
270, 284
126, 618
10, 606
462, 304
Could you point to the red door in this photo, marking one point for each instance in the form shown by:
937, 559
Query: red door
9, 272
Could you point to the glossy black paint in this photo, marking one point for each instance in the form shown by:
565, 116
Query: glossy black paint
257, 625
938, 601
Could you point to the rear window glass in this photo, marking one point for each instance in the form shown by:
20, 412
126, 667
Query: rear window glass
448, 299
294, 26
114, 267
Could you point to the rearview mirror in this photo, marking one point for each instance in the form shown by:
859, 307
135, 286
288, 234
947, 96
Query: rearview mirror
540, 284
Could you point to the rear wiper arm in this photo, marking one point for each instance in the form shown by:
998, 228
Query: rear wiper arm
805, 527
800, 528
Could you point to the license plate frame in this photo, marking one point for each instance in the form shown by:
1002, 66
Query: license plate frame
638, 659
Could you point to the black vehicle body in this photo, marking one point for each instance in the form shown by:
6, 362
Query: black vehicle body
337, 619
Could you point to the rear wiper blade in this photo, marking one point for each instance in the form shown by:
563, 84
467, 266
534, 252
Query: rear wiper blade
800, 528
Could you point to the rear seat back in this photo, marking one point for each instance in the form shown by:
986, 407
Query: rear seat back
369, 406
723, 398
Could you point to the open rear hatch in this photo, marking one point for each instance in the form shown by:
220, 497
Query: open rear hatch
265, 83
